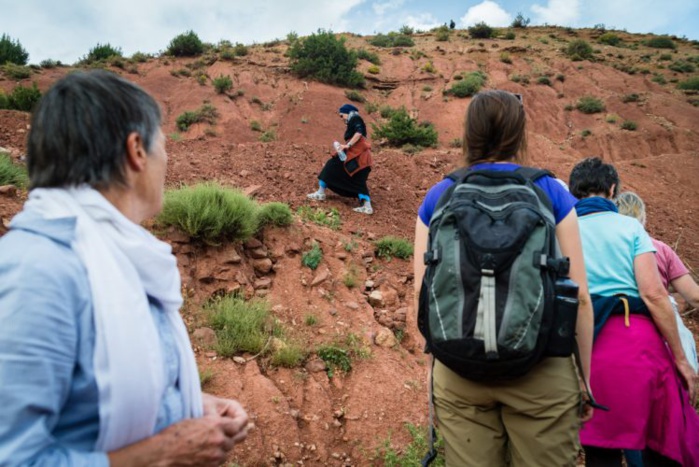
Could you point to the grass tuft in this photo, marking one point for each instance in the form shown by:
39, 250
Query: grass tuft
11, 173
390, 246
276, 214
241, 326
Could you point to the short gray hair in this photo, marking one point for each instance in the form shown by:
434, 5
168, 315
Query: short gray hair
630, 204
80, 127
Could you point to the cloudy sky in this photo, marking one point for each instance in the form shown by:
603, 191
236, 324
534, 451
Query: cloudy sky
66, 29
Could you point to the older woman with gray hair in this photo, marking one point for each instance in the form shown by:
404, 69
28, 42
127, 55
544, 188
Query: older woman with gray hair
95, 360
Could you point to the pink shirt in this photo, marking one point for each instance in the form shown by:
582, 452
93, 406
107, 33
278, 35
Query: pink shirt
669, 264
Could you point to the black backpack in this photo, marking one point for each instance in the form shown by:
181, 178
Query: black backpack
487, 304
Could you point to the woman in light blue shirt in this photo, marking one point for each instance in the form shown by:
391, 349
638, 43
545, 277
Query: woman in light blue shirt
96, 367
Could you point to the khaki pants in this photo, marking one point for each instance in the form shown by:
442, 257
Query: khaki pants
532, 421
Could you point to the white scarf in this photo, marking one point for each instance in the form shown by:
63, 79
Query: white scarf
125, 265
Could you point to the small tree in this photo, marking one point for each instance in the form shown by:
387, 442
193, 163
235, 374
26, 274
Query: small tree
102, 52
402, 130
323, 57
579, 50
12, 51
24, 98
481, 31
187, 44
520, 21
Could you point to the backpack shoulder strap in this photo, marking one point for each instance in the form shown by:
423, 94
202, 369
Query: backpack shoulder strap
533, 173
459, 174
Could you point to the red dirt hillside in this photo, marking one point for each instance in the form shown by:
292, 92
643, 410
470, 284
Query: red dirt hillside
302, 416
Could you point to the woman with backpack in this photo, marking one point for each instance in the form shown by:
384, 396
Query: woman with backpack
639, 369
533, 419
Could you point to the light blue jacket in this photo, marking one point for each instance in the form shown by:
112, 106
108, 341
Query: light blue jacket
48, 393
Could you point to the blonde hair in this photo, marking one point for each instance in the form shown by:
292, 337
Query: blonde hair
630, 204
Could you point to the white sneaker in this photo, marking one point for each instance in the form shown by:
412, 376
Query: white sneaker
366, 209
316, 196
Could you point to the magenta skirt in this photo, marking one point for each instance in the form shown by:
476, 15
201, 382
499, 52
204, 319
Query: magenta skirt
633, 374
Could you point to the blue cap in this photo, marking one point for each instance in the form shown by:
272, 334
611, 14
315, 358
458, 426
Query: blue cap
347, 108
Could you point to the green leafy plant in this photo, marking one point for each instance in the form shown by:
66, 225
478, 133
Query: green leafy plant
11, 51
335, 359
481, 31
11, 173
691, 84
21, 98
579, 49
355, 96
682, 66
386, 111
323, 57
661, 42
255, 125
223, 84
16, 72
207, 113
392, 39
276, 214
371, 57
585, 133
102, 52
545, 80
412, 454
268, 136
390, 246
210, 213
629, 125
590, 105
609, 38
321, 216
186, 44
312, 258
402, 129
469, 85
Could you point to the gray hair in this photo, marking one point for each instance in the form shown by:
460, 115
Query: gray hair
630, 204
80, 127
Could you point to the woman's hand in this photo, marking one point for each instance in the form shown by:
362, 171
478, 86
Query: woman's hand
228, 408
689, 376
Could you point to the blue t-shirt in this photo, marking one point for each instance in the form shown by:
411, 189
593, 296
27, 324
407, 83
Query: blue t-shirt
610, 244
563, 202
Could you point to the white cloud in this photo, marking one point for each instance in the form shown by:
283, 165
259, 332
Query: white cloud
422, 22
558, 12
489, 12
380, 8
67, 30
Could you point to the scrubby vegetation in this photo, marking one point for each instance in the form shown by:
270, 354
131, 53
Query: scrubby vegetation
629, 125
481, 31
520, 21
312, 258
21, 98
187, 44
371, 57
101, 52
11, 51
240, 326
590, 105
661, 42
412, 454
323, 57
682, 66
468, 85
390, 246
207, 113
402, 129
327, 218
276, 214
691, 84
340, 354
609, 38
579, 49
354, 96
392, 39
210, 213
11, 173
442, 34
633, 97
223, 84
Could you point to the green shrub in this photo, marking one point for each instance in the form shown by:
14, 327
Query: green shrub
386, 111
390, 246
240, 50
350, 278
406, 30
412, 454
579, 49
223, 84
11, 51
402, 129
661, 42
289, 355
505, 58
335, 358
585, 133
469, 85
629, 125
23, 98
371, 57
140, 57
590, 105
481, 31
609, 38
240, 326
560, 77
633, 97
11, 173
187, 44
658, 78
312, 258
665, 57
691, 84
611, 118
321, 216
355, 96
520, 21
523, 79
429, 67
210, 213
101, 52
442, 34
374, 70
510, 36
391, 39
456, 143
16, 72
268, 136
545, 80
50, 63
682, 66
207, 113
325, 58
276, 214
255, 125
